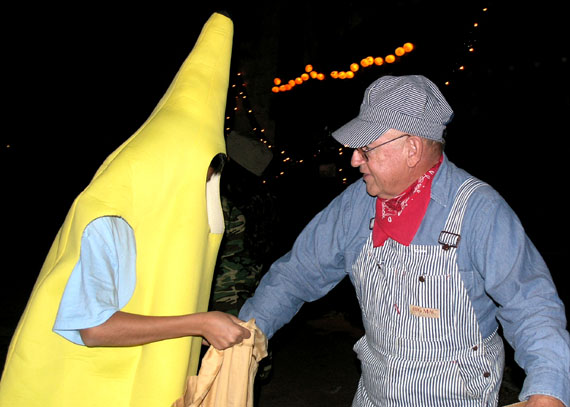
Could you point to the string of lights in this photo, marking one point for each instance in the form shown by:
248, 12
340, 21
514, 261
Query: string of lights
469, 47
354, 68
242, 105
242, 101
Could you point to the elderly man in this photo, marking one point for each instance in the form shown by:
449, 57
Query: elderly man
436, 257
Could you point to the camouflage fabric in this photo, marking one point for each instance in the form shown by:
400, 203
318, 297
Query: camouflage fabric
237, 273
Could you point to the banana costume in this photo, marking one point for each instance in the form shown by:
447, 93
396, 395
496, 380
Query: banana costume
156, 181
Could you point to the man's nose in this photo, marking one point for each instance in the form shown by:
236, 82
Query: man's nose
357, 159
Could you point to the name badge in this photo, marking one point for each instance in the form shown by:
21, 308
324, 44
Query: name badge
424, 312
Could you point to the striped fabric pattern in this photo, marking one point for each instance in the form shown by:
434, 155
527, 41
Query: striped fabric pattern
412, 104
453, 223
422, 345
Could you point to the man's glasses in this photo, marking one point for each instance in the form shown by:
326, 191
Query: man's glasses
365, 150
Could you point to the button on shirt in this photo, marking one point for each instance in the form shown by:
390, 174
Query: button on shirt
505, 276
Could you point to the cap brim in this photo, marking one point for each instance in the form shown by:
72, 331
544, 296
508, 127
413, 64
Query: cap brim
358, 133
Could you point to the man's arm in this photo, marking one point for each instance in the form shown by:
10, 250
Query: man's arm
315, 264
529, 308
123, 329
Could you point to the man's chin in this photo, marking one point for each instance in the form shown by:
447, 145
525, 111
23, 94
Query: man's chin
371, 190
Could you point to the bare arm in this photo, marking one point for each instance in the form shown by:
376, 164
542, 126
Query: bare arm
124, 329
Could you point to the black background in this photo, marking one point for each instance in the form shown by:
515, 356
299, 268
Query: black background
79, 80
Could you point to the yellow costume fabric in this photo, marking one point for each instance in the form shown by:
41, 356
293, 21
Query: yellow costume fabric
156, 181
227, 376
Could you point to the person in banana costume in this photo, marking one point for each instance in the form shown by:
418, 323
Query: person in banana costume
154, 194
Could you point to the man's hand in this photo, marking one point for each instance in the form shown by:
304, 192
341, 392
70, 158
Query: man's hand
222, 330
539, 400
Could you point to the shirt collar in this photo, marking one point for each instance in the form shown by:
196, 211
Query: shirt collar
441, 183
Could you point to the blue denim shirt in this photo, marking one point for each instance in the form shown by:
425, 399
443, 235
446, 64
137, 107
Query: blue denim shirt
505, 276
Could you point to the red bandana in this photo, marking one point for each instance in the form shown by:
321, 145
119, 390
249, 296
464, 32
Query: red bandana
389, 222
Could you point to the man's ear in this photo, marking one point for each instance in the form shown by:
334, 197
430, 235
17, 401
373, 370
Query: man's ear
414, 150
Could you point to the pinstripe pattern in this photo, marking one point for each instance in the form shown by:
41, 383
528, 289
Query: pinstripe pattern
412, 104
422, 345
453, 224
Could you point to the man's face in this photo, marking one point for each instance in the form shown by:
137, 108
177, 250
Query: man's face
386, 171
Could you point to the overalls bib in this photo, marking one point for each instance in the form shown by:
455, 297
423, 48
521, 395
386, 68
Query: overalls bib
422, 345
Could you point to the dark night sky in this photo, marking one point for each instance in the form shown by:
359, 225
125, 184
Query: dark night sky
82, 80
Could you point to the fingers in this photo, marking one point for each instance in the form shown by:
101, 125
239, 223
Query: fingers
244, 331
224, 330
236, 332
237, 321
247, 333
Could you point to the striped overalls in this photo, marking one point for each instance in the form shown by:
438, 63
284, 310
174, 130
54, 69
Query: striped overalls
422, 345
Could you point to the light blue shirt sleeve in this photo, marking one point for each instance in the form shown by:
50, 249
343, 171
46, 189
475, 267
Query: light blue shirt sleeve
319, 259
528, 305
103, 280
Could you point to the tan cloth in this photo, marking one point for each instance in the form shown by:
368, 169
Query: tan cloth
226, 377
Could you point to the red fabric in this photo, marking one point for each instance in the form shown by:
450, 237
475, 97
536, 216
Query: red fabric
399, 218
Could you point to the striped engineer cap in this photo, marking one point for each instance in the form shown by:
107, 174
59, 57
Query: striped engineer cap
412, 104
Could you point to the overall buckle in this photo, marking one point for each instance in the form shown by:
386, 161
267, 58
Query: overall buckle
448, 240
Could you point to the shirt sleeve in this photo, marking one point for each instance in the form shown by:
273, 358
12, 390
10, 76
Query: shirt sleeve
529, 308
103, 280
311, 269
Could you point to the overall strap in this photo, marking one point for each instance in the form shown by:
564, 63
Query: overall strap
450, 235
